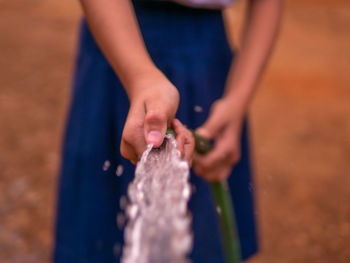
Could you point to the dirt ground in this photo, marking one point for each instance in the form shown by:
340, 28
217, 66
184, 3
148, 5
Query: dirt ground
300, 130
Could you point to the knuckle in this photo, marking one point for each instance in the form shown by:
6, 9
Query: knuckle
205, 166
128, 135
238, 158
126, 139
124, 152
196, 169
222, 177
199, 170
234, 155
126, 149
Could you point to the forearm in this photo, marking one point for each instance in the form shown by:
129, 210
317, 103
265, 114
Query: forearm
259, 34
115, 28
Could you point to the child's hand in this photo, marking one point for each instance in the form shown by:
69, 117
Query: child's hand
224, 126
185, 140
153, 105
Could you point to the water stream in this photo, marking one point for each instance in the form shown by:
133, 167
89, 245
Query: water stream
158, 228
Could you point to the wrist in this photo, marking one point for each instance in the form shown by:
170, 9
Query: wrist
151, 85
237, 100
137, 81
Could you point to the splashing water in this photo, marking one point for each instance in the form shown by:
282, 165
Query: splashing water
106, 165
120, 170
198, 108
158, 229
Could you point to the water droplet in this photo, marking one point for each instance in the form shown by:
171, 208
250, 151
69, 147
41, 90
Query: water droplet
123, 202
193, 188
218, 210
106, 165
198, 108
117, 248
120, 170
121, 220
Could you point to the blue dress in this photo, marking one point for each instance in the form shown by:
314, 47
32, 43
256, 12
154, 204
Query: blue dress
190, 47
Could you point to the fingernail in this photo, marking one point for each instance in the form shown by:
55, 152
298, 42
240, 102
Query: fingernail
154, 137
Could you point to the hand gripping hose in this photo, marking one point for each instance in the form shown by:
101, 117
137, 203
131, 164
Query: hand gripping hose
224, 206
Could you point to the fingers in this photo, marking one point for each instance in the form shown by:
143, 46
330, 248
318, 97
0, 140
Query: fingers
185, 140
223, 152
180, 138
219, 174
151, 121
223, 126
127, 151
217, 164
189, 148
132, 144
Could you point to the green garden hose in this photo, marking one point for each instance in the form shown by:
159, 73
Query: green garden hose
224, 206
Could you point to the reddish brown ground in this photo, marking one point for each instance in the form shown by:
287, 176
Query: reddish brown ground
300, 128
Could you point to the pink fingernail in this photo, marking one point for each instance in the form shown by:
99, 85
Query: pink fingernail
154, 137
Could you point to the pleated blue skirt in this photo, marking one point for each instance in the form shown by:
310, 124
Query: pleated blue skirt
190, 47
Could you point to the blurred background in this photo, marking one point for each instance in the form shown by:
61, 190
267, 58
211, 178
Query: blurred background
300, 129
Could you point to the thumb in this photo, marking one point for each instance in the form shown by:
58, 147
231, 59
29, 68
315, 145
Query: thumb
155, 126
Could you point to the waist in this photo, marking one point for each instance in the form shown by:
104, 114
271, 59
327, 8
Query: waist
203, 4
172, 8
171, 25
